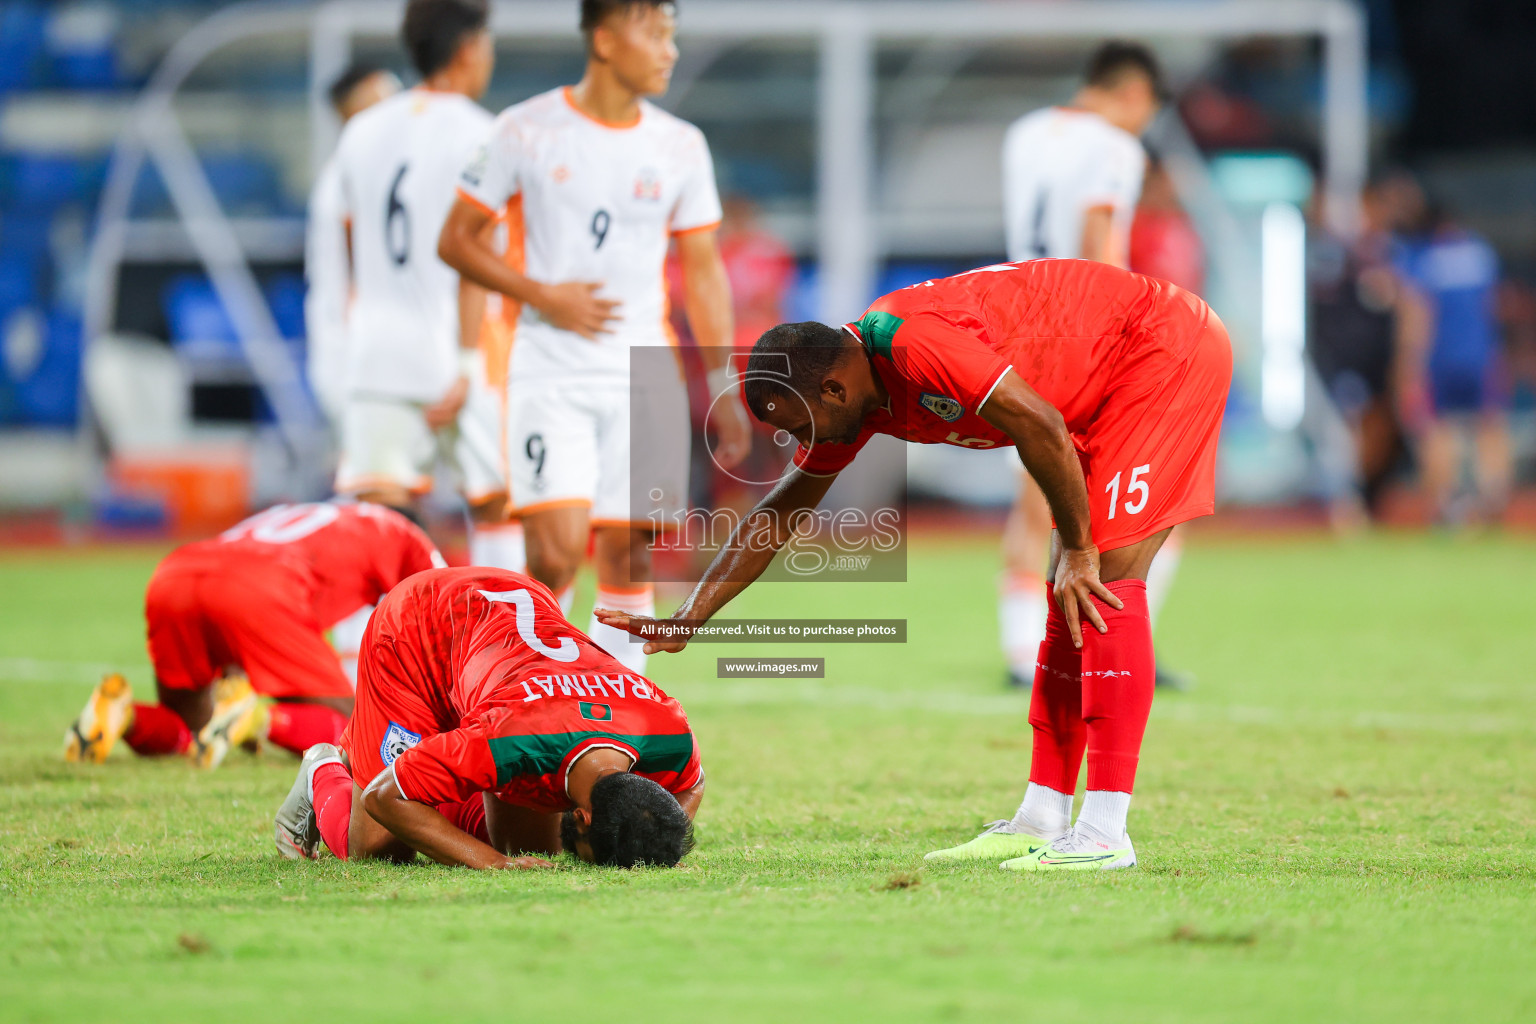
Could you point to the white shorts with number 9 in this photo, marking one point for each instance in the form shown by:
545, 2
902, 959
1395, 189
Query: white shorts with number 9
569, 444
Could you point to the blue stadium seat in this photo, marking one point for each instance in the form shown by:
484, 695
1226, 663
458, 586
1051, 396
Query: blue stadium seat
285, 294
194, 312
23, 28
82, 43
39, 183
244, 182
18, 279
50, 395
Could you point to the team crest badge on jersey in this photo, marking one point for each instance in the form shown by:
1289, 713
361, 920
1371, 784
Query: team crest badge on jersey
944, 407
648, 186
396, 742
595, 712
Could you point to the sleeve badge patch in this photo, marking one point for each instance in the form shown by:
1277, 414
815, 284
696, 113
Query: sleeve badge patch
397, 741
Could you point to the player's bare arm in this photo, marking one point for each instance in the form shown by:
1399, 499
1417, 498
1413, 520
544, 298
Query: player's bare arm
425, 830
745, 557
707, 293
573, 306
1098, 235
1040, 434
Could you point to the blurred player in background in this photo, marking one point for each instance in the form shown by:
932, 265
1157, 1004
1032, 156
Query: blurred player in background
327, 250
1465, 378
416, 374
598, 182
1071, 178
762, 270
249, 611
488, 726
1366, 325
1164, 244
1111, 387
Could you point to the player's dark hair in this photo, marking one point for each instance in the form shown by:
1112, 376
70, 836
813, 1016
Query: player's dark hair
595, 12
434, 30
791, 360
634, 823
1112, 62
350, 79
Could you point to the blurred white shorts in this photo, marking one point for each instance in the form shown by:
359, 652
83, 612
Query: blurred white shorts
386, 442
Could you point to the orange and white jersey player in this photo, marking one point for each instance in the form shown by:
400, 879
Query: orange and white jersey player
597, 184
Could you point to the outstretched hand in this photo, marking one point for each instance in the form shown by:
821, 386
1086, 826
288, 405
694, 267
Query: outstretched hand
643, 625
1077, 584
524, 863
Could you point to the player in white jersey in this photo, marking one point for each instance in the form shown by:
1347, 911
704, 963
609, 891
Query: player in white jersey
1071, 180
599, 183
327, 255
416, 375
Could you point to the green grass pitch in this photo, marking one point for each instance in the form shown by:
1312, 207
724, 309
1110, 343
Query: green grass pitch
1337, 825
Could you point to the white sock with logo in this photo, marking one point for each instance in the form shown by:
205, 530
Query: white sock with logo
1021, 612
498, 547
1045, 813
636, 601
1104, 812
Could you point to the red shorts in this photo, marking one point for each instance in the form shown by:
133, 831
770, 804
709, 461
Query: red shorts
389, 717
206, 611
1150, 453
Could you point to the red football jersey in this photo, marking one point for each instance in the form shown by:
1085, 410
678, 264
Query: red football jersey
351, 554
472, 681
1072, 329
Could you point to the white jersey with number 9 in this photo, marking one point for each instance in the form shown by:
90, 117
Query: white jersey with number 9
590, 201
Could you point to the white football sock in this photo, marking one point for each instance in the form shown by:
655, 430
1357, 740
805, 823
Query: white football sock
1045, 813
567, 597
1104, 811
1021, 612
1161, 574
498, 547
617, 642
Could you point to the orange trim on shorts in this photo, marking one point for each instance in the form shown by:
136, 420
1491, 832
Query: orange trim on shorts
472, 201
635, 524
694, 231
355, 485
548, 506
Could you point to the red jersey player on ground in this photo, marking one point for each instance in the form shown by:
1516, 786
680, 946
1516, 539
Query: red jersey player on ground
1111, 386
488, 725
255, 601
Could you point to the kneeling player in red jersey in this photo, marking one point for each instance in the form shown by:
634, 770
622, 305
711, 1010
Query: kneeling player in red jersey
488, 725
255, 603
1111, 386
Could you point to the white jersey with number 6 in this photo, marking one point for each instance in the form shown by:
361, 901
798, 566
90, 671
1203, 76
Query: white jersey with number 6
1059, 163
399, 161
595, 202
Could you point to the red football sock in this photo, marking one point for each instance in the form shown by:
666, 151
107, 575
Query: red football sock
1118, 679
1055, 708
333, 806
157, 731
297, 727
468, 816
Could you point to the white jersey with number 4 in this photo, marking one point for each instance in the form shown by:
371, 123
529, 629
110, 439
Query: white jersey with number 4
399, 162
1059, 163
593, 202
